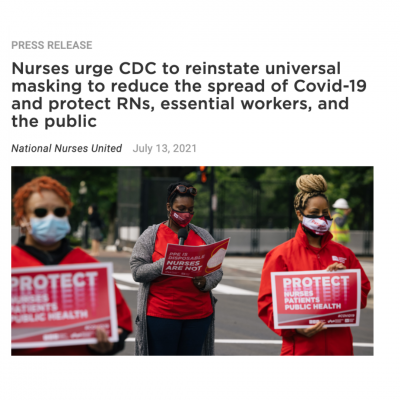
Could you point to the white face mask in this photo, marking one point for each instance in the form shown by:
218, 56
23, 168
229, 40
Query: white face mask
317, 225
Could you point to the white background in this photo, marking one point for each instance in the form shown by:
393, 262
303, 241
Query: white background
362, 35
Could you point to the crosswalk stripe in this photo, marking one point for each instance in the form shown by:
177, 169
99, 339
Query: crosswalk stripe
220, 289
124, 287
225, 289
254, 270
124, 277
241, 278
250, 341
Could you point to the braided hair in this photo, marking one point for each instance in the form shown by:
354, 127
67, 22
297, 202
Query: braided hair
309, 186
176, 194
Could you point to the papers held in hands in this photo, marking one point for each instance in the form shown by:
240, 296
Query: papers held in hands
191, 261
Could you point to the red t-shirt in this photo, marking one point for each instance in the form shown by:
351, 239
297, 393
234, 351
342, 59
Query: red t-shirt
175, 297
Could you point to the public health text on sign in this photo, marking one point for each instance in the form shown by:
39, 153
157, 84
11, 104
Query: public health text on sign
62, 305
301, 299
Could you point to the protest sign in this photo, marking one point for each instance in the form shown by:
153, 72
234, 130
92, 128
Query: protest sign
191, 261
302, 299
62, 305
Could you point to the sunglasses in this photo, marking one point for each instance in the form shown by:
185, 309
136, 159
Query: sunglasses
183, 189
328, 217
58, 212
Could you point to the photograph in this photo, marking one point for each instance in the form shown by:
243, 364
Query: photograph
191, 261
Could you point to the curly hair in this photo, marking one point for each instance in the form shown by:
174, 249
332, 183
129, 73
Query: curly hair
176, 194
37, 185
309, 186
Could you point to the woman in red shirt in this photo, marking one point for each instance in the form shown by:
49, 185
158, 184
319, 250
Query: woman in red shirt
311, 249
175, 314
41, 209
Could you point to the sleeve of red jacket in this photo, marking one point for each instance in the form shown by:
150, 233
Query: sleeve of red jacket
273, 263
123, 312
365, 283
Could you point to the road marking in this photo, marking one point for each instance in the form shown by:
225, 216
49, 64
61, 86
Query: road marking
124, 277
225, 289
241, 278
254, 270
124, 287
248, 341
220, 289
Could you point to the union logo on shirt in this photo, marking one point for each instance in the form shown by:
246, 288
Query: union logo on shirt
339, 259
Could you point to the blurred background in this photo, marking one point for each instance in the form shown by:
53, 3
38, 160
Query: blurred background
252, 205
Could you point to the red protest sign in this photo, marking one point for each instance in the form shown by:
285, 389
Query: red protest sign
191, 261
303, 298
62, 305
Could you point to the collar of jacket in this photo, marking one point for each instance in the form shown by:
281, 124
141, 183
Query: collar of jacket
301, 237
46, 257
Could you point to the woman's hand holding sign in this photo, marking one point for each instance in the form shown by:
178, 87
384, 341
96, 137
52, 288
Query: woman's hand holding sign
103, 345
335, 267
312, 330
199, 282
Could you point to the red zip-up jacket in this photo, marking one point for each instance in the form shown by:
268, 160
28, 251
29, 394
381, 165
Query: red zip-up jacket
20, 258
296, 255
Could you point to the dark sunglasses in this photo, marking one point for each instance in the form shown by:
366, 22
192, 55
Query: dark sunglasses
58, 212
182, 190
328, 217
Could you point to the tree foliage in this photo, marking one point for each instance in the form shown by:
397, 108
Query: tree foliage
247, 196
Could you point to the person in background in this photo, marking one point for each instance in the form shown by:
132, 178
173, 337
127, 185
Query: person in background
340, 228
96, 224
312, 249
175, 315
41, 210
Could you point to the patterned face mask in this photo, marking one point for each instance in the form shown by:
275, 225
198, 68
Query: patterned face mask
181, 218
318, 225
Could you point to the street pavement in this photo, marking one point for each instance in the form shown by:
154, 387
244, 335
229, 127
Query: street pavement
239, 331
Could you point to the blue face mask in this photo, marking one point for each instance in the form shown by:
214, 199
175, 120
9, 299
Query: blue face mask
50, 229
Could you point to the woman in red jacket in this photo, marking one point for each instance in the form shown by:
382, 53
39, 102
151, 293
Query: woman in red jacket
311, 249
41, 209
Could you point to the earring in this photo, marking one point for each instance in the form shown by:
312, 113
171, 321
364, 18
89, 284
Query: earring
24, 225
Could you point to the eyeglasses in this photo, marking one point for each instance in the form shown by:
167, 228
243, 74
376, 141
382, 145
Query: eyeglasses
58, 212
183, 189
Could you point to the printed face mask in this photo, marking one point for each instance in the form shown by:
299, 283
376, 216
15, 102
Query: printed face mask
317, 225
50, 229
181, 218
